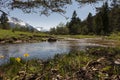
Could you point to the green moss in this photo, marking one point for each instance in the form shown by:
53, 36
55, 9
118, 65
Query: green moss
107, 68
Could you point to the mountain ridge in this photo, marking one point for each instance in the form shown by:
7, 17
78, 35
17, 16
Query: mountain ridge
13, 21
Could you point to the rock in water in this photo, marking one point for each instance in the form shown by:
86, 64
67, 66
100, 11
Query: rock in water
52, 39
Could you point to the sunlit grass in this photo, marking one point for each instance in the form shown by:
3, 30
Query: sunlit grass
9, 34
10, 37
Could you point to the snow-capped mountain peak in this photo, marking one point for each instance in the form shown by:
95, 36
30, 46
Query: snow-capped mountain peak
16, 21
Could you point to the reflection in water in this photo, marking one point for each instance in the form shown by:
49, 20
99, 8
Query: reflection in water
43, 50
73, 46
4, 52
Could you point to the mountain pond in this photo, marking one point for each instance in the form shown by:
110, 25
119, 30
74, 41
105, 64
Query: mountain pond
46, 50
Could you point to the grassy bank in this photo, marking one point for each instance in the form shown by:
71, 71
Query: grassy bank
7, 36
76, 36
114, 36
94, 64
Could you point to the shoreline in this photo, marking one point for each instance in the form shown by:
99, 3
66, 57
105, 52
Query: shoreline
12, 41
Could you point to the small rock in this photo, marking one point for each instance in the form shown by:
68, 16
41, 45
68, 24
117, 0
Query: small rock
18, 41
54, 79
117, 61
59, 77
52, 39
2, 42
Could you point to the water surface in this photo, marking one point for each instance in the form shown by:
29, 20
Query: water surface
44, 50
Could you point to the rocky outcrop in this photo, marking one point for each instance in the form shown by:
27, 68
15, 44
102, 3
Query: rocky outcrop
51, 39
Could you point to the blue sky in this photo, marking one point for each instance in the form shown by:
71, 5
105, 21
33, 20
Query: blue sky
54, 19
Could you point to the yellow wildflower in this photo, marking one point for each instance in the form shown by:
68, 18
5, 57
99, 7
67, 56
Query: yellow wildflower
1, 57
18, 59
26, 55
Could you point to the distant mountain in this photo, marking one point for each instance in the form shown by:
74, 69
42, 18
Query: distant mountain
17, 22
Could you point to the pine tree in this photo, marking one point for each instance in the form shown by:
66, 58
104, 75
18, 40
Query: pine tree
74, 24
102, 21
105, 19
4, 21
74, 16
89, 23
98, 25
114, 18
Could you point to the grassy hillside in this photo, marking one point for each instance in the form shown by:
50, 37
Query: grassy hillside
18, 35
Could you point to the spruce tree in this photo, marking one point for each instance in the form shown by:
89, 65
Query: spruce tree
4, 21
89, 23
105, 19
102, 21
74, 24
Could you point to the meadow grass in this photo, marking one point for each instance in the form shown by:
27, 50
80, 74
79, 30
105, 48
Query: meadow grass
63, 63
66, 65
8, 36
17, 34
83, 36
77, 36
114, 36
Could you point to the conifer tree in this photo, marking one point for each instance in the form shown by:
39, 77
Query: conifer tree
74, 24
4, 21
